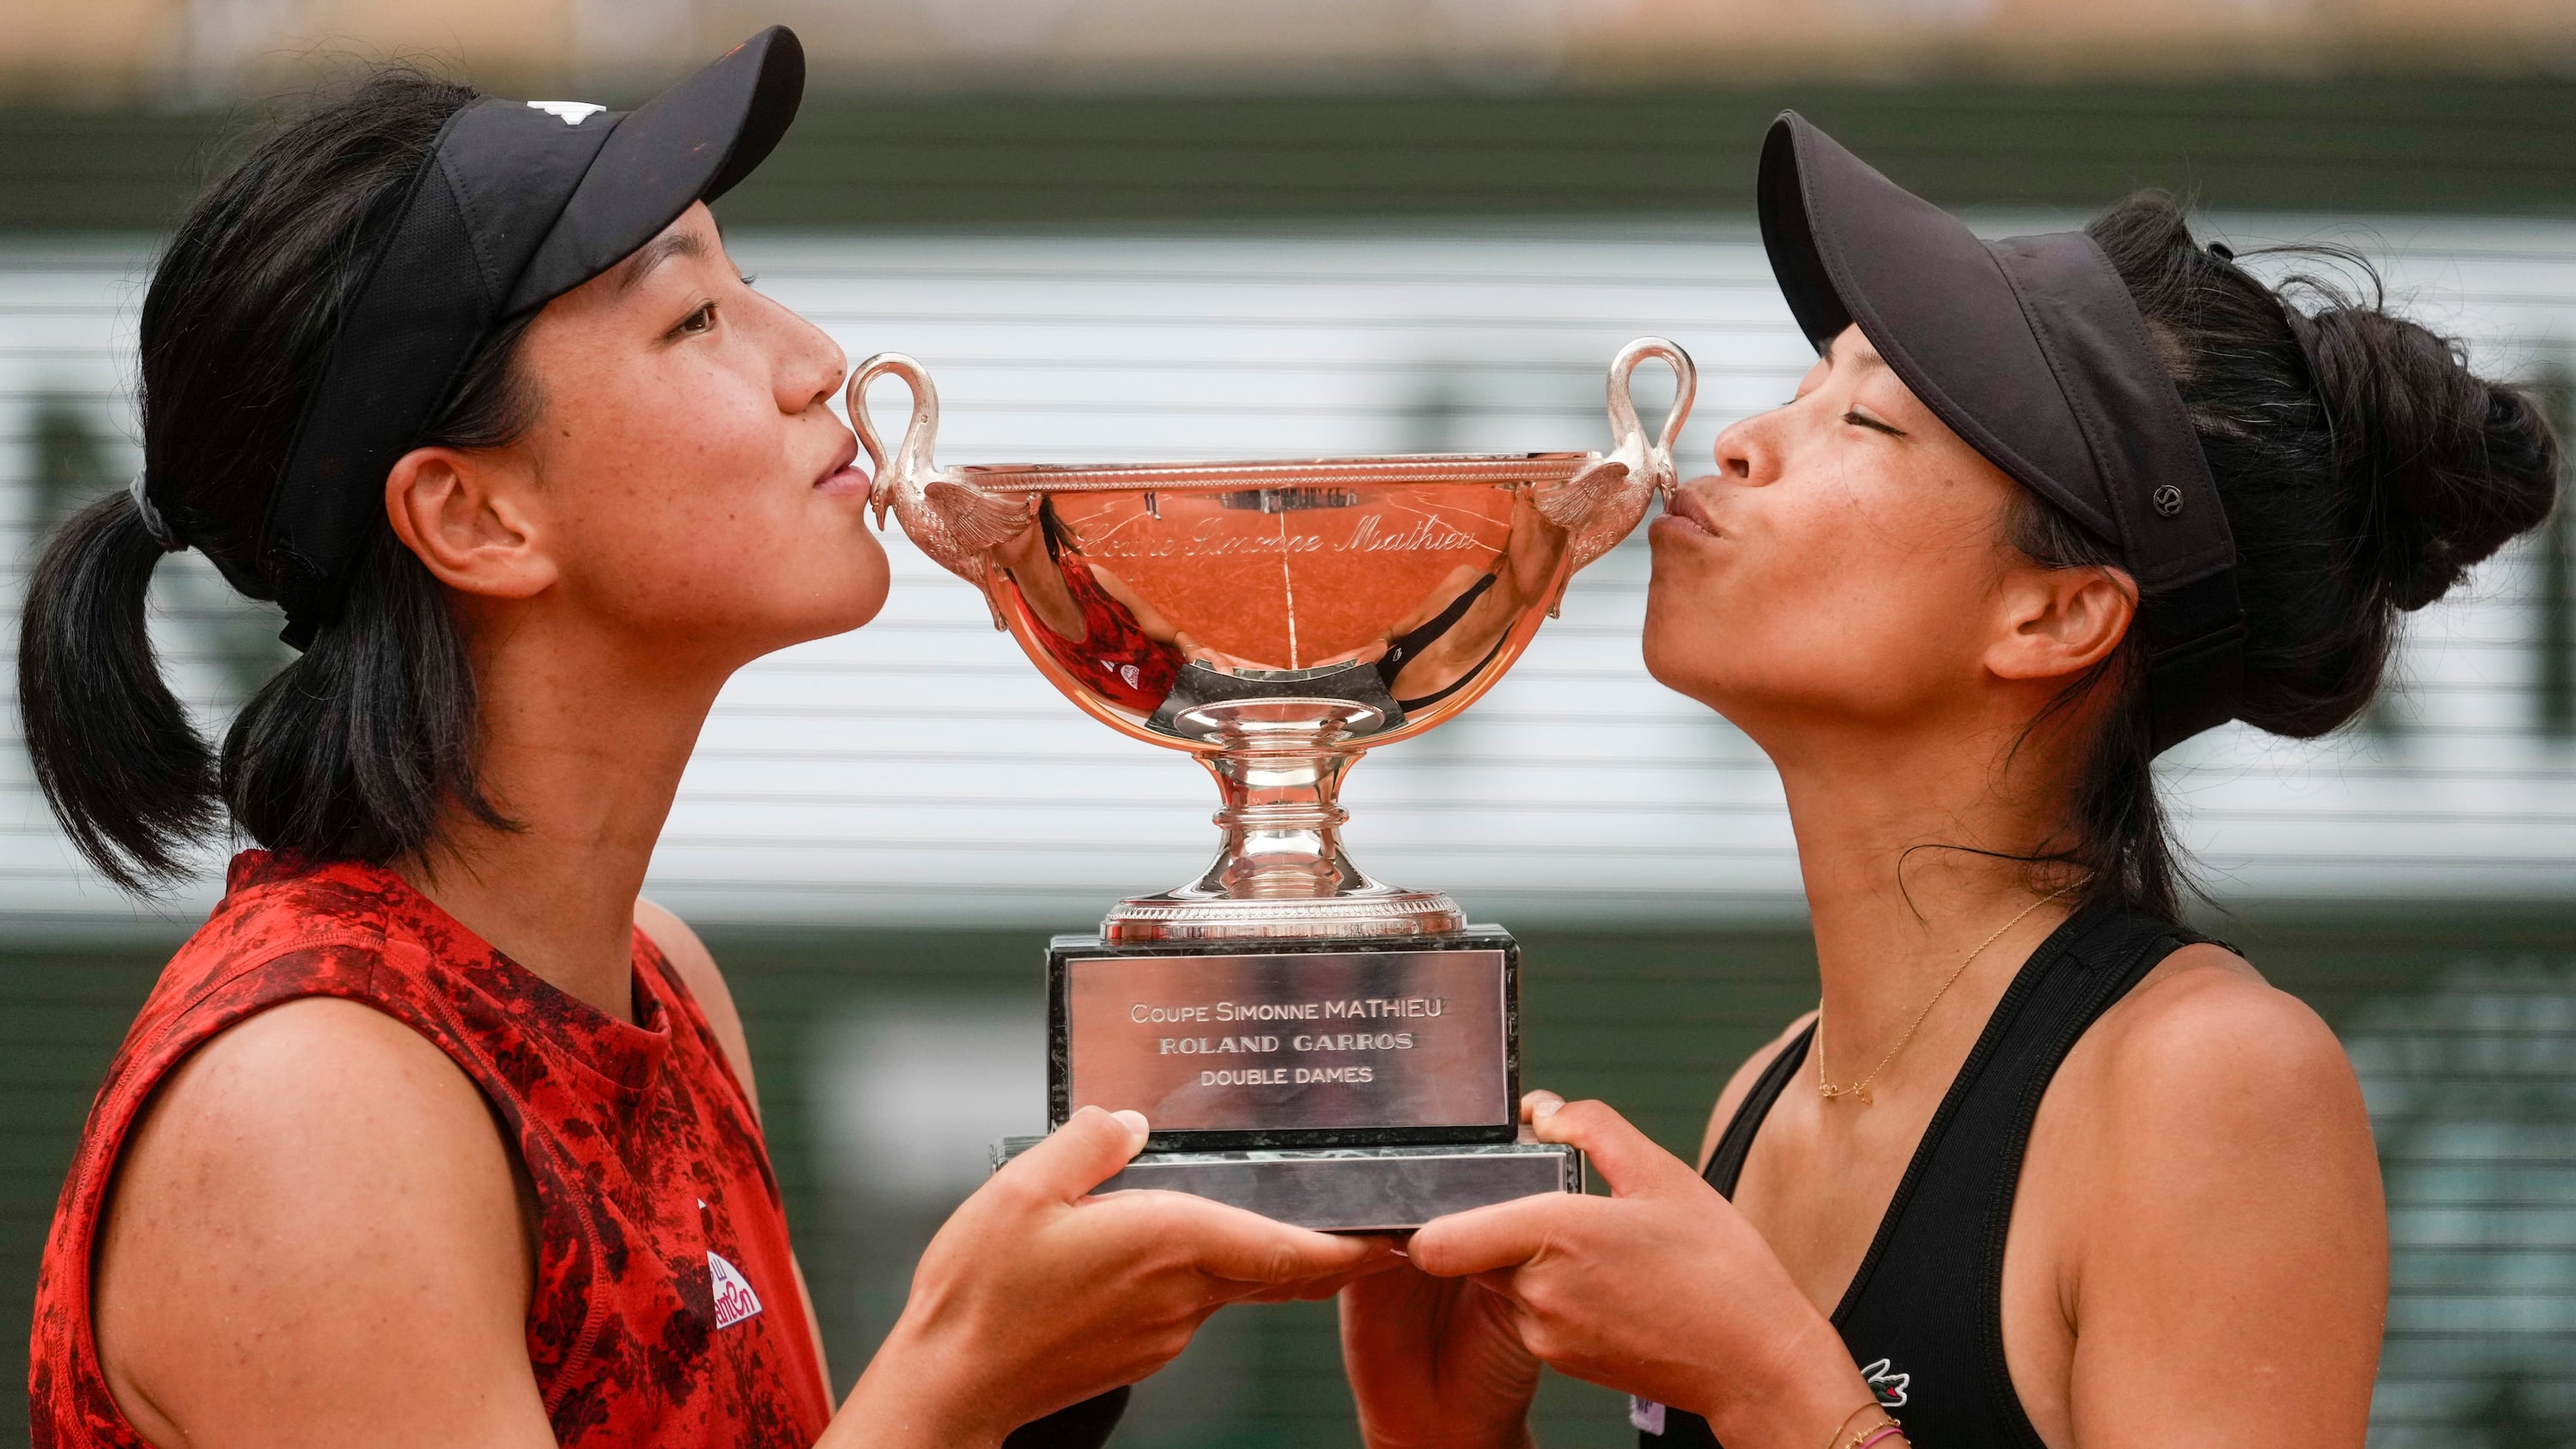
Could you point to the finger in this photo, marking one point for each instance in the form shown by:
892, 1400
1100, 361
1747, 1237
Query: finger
1085, 1152
1538, 1101
1628, 1160
1308, 1290
1483, 1239
1244, 1247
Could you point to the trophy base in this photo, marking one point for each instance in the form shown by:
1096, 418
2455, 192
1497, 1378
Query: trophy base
1373, 912
1290, 1045
1351, 1189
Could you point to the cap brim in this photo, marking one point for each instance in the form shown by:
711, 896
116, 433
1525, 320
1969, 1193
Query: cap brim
1848, 246
692, 143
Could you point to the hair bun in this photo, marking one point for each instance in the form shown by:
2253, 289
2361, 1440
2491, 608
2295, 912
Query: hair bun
2442, 466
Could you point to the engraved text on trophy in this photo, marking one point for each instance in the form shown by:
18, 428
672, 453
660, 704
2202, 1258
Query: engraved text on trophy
1292, 1040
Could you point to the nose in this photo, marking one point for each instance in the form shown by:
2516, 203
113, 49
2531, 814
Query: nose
810, 364
1748, 451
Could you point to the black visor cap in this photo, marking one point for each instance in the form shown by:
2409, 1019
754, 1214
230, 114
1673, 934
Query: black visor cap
519, 203
2032, 350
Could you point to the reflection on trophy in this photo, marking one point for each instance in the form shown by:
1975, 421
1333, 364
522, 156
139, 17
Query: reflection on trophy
1307, 1042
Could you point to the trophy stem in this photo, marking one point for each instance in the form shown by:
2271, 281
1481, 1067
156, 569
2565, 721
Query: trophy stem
1280, 872
1281, 779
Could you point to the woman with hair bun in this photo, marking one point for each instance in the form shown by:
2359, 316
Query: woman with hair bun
2045, 1168
436, 1134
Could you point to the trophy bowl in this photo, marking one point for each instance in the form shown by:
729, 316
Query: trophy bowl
1306, 1042
1275, 619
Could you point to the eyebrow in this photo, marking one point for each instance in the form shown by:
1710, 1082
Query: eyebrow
1866, 359
655, 252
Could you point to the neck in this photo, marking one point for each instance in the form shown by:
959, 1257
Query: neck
582, 743
1896, 913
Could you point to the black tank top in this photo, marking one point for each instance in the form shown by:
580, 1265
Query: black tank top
1404, 648
1924, 1315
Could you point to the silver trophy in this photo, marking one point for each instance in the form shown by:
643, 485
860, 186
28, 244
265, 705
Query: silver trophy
1307, 1042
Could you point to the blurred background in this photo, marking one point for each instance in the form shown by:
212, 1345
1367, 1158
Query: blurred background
1173, 228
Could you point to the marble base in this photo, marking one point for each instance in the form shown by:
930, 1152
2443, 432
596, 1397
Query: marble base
1351, 1189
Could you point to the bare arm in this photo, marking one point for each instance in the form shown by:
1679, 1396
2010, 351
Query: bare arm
319, 1239
1032, 1289
1535, 549
2212, 1250
2230, 1281
316, 1239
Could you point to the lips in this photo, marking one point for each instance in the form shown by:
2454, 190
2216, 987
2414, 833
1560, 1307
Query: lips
1686, 509
845, 477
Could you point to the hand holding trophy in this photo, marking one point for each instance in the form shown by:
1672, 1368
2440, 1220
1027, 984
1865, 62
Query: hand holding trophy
1306, 1042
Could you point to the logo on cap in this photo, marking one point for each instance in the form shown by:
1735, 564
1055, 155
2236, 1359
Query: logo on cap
571, 113
2168, 501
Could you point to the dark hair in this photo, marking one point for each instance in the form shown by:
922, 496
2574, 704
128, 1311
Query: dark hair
2359, 487
1057, 533
358, 748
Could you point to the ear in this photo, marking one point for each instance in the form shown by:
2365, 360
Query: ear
2060, 622
466, 515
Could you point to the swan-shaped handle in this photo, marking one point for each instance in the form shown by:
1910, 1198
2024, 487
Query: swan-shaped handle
1631, 434
954, 522
910, 466
1603, 503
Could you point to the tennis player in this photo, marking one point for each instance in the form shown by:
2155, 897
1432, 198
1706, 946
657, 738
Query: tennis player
436, 1135
2046, 1168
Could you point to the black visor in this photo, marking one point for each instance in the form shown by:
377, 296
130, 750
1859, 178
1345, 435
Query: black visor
2032, 350
519, 203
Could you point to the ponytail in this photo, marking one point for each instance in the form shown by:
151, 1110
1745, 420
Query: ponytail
125, 772
362, 747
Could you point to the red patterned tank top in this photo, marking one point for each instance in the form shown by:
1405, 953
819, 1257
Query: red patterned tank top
1114, 655
666, 1310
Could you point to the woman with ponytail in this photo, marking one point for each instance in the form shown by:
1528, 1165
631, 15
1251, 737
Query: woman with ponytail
436, 1134
2045, 1168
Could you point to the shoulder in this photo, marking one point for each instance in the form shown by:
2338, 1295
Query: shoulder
697, 970
317, 1106
322, 1172
2206, 1042
1740, 1085
2208, 1100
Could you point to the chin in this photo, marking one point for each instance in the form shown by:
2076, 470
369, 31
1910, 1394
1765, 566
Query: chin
855, 608
854, 588
785, 617
1675, 667
1699, 666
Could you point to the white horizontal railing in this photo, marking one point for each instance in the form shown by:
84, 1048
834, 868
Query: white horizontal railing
920, 772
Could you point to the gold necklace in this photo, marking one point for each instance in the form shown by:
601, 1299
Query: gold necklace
1860, 1088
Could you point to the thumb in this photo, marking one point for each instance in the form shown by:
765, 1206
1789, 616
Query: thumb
1239, 1246
1085, 1152
1629, 1162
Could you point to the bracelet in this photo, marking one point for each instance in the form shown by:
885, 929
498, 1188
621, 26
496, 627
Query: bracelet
1868, 1434
1838, 1441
